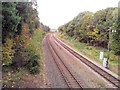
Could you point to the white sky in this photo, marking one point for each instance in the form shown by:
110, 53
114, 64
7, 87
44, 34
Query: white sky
54, 13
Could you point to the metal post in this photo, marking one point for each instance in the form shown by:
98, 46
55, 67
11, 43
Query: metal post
108, 51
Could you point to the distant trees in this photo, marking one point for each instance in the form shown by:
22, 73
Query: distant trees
93, 28
44, 27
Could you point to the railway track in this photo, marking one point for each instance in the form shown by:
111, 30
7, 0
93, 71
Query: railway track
68, 77
115, 81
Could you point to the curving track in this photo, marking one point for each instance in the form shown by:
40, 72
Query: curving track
115, 81
67, 75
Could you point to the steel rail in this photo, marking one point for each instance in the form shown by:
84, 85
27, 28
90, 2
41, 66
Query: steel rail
53, 51
97, 69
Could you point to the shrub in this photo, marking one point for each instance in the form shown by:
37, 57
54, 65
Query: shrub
34, 52
33, 63
20, 47
8, 52
89, 48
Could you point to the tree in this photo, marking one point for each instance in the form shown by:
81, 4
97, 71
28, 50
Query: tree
21, 42
10, 20
61, 28
115, 39
28, 15
93, 28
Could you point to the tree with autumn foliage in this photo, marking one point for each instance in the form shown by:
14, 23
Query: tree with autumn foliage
93, 28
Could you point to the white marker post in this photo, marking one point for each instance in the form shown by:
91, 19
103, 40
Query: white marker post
101, 56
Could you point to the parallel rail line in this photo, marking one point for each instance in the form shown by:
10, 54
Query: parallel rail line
115, 81
67, 75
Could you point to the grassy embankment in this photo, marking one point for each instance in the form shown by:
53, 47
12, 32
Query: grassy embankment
91, 52
34, 46
12, 77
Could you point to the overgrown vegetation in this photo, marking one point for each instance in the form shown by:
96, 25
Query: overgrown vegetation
94, 32
92, 52
34, 51
22, 34
94, 28
16, 26
8, 53
19, 23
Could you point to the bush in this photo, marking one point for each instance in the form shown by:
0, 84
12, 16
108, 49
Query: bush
33, 57
34, 52
33, 63
89, 48
21, 42
8, 52
113, 57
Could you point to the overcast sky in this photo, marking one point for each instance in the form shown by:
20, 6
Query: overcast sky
54, 13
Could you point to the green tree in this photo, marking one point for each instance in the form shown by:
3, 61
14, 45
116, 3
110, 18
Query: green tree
93, 28
10, 20
115, 39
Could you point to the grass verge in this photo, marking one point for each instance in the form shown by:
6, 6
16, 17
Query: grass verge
35, 52
91, 52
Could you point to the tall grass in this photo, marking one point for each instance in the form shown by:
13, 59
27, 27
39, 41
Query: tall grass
92, 52
34, 51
